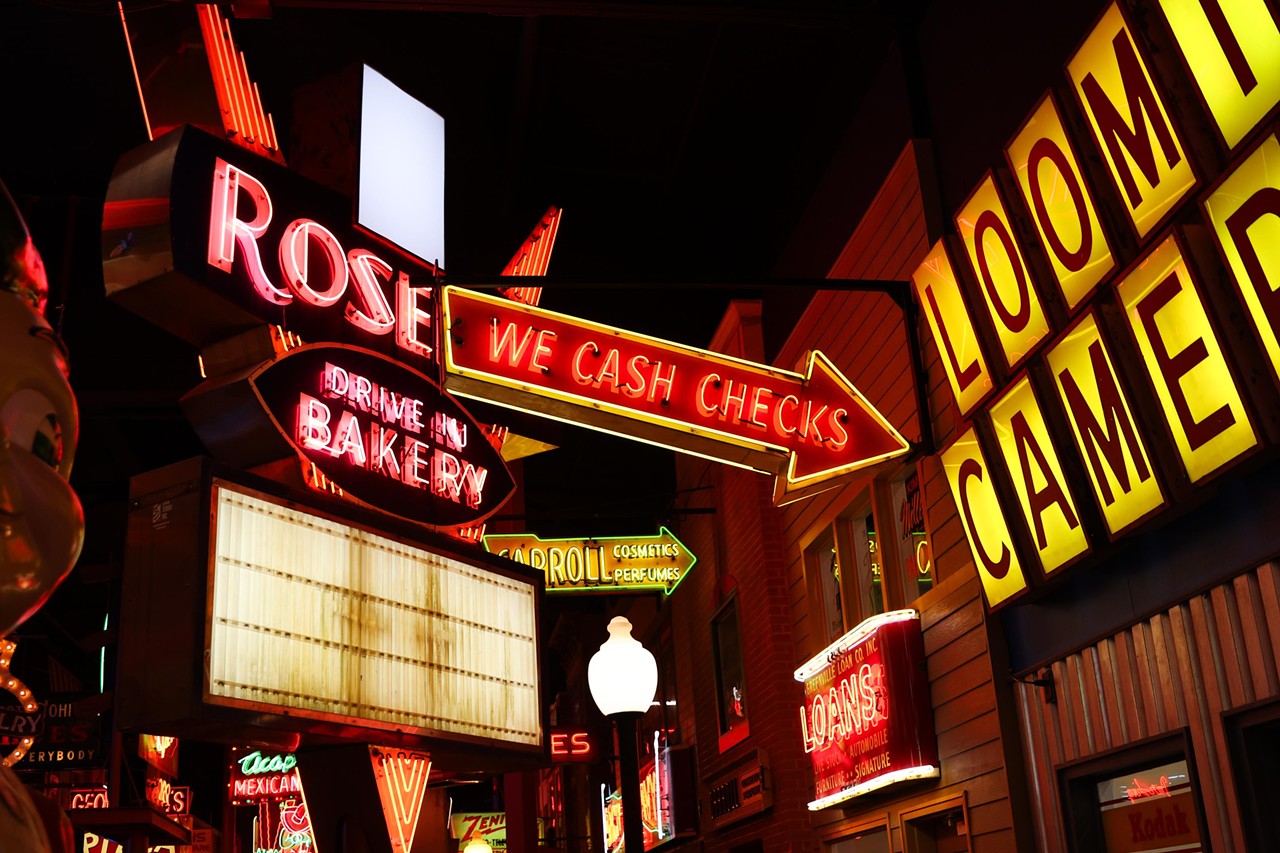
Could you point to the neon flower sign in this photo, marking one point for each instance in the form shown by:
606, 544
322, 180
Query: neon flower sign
867, 721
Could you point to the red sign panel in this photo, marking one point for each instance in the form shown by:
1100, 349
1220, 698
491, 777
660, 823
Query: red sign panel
867, 720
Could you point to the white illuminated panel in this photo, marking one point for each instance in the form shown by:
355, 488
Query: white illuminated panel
401, 187
331, 622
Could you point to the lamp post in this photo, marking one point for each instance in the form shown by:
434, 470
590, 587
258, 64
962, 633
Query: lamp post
623, 677
476, 845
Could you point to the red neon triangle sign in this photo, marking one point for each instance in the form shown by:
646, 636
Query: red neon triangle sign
401, 775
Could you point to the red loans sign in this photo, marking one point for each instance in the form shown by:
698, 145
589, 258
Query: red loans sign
867, 721
808, 428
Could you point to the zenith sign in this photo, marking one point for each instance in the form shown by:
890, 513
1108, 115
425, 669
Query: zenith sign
808, 429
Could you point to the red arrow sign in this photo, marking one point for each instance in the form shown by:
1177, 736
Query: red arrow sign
808, 428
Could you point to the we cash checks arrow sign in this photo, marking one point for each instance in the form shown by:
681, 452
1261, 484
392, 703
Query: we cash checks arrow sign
809, 429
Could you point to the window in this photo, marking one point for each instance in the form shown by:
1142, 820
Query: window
940, 827
1254, 735
1138, 799
730, 688
914, 554
873, 557
823, 560
866, 551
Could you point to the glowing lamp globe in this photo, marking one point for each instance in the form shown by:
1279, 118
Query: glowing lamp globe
623, 675
476, 845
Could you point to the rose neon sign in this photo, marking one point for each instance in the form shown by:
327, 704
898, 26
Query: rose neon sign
867, 720
314, 268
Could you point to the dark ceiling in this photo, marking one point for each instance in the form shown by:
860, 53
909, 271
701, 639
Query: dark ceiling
683, 141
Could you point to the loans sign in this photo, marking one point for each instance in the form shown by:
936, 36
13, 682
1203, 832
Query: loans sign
809, 429
626, 564
867, 720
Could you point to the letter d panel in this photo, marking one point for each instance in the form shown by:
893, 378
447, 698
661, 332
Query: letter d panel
969, 477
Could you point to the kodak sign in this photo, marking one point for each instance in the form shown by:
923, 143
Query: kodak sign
1092, 365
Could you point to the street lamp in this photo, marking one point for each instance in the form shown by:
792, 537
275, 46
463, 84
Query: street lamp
623, 677
476, 845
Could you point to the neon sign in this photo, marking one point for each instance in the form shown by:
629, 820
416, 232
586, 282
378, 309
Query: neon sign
810, 428
256, 777
401, 775
1167, 345
573, 746
629, 563
255, 244
385, 434
866, 720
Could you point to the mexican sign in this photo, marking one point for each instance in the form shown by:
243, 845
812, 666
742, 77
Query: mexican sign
808, 428
626, 564
867, 720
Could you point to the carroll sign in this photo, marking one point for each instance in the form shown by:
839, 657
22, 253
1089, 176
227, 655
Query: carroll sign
1052, 359
867, 721
631, 563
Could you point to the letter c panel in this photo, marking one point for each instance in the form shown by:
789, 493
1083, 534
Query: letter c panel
969, 477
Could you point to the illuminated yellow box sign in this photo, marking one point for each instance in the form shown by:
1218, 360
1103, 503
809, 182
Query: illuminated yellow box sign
1024, 519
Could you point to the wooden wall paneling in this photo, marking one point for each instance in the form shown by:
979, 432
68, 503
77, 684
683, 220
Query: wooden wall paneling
1129, 689
1213, 698
959, 680
1166, 674
1255, 636
902, 175
1198, 722
1079, 686
899, 233
990, 818
1269, 600
1148, 677
1037, 740
1231, 653
1115, 727
1091, 689
1066, 715
955, 710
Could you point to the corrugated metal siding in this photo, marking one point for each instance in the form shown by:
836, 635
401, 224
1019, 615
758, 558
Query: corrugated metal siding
1181, 669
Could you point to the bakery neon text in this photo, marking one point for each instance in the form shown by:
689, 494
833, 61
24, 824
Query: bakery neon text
357, 274
377, 429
